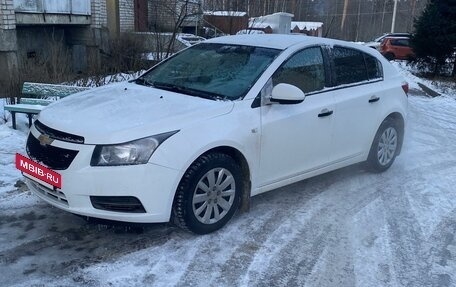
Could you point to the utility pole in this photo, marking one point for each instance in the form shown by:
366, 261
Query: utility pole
393, 22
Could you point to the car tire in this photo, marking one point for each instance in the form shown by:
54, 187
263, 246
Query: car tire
208, 194
389, 56
385, 147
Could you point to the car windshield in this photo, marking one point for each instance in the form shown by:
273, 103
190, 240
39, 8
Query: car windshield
213, 71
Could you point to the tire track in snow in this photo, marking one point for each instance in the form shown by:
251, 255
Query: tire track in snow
261, 220
293, 257
443, 252
406, 239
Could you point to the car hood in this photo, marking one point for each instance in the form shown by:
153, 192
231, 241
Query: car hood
123, 112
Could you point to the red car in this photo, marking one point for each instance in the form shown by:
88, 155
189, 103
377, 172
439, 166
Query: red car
397, 48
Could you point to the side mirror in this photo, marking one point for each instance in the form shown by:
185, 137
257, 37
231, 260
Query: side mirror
287, 94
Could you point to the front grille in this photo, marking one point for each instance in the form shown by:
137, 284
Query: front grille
53, 157
58, 135
55, 195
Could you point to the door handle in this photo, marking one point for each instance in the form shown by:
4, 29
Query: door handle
324, 113
374, 99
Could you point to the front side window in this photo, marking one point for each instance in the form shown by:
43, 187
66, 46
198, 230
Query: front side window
213, 71
304, 70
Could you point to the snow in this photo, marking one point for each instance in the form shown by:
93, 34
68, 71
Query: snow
155, 56
104, 80
226, 13
249, 32
189, 39
345, 228
306, 25
447, 89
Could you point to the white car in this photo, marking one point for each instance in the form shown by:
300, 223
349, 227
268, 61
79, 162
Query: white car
197, 135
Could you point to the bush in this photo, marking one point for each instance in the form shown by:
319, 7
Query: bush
55, 66
434, 41
126, 54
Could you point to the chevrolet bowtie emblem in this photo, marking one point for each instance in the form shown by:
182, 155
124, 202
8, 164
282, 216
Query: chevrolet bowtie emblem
45, 140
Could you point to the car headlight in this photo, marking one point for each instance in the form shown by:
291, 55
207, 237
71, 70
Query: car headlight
130, 153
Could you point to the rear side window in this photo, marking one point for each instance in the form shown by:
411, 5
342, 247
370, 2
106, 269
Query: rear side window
353, 66
374, 68
305, 70
400, 42
349, 66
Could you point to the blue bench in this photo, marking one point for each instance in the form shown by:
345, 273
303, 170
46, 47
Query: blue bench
36, 96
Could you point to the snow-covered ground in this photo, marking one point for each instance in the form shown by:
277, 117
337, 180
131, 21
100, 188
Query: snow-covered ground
345, 228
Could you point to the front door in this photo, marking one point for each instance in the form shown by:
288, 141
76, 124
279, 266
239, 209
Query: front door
297, 138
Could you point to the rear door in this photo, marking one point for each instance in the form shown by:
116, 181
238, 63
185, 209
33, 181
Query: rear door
357, 95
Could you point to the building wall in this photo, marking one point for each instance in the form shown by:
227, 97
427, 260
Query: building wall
7, 18
162, 15
99, 13
127, 15
227, 24
165, 14
8, 47
27, 46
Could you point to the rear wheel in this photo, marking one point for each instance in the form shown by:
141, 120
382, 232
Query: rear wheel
385, 146
208, 194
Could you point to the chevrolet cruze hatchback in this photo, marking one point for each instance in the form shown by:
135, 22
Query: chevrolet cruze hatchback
197, 135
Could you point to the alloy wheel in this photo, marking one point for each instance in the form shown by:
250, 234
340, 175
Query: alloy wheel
214, 195
387, 146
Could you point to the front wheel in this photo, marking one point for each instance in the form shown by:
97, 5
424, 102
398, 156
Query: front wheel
384, 147
208, 194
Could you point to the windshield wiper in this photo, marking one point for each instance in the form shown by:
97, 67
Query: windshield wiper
143, 82
188, 91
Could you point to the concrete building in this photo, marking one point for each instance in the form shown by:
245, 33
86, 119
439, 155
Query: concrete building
81, 28
33, 31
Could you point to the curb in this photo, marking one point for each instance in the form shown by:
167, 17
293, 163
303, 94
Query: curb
430, 92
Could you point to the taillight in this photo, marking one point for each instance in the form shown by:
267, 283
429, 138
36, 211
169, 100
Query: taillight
405, 87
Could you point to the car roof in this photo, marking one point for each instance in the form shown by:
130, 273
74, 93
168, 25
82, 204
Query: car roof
380, 38
392, 34
278, 41
397, 37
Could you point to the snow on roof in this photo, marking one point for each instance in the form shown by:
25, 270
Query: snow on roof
283, 14
249, 31
226, 13
306, 25
260, 25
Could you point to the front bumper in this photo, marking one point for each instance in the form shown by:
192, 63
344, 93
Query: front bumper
152, 184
